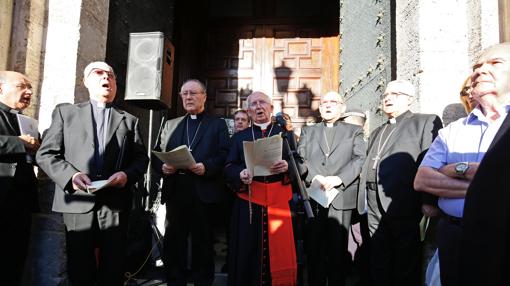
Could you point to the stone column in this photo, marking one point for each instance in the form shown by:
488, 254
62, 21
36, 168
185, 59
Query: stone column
5, 32
437, 42
76, 35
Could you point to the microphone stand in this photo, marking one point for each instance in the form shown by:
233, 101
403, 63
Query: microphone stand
294, 170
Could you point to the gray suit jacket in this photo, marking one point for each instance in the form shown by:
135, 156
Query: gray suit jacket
68, 147
347, 154
399, 162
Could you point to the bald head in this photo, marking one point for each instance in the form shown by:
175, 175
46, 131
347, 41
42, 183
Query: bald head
401, 86
100, 80
397, 97
489, 79
331, 107
15, 90
259, 107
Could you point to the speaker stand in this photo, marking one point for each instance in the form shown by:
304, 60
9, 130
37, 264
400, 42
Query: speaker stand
148, 176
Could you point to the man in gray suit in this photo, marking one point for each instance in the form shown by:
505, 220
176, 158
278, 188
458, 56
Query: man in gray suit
386, 184
334, 152
88, 142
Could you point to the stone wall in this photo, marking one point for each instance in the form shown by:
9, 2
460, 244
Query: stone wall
5, 32
437, 42
76, 35
25, 45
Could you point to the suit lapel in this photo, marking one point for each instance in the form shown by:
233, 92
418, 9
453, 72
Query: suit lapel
322, 135
116, 117
393, 138
335, 141
85, 113
505, 126
177, 134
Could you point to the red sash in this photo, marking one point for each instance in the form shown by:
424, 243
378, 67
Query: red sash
282, 253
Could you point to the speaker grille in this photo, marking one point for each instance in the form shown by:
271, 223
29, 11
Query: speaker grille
145, 71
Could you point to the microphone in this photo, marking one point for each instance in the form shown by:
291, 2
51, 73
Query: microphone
286, 125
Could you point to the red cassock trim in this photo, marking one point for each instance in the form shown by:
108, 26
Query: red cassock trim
282, 252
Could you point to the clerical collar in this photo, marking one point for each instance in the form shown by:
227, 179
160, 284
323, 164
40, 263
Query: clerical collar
262, 126
196, 116
100, 104
330, 124
6, 108
398, 118
9, 109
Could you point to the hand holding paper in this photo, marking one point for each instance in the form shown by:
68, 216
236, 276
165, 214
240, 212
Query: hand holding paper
99, 185
198, 169
321, 196
27, 125
280, 166
260, 155
179, 158
31, 144
168, 169
245, 176
80, 181
118, 179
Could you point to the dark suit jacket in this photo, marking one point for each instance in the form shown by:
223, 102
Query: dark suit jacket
68, 147
485, 241
18, 185
210, 147
399, 162
347, 154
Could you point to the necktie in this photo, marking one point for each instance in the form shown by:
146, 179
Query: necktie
100, 128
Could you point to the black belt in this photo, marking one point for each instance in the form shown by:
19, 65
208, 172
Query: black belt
268, 179
371, 186
452, 219
184, 172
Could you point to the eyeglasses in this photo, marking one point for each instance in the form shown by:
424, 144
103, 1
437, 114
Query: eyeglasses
254, 104
393, 94
190, 93
466, 91
100, 73
331, 103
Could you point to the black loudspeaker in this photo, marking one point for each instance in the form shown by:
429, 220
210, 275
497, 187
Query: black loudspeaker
150, 70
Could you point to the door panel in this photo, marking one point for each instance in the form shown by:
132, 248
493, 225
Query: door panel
287, 62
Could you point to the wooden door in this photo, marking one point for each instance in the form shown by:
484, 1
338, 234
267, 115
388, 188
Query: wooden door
292, 64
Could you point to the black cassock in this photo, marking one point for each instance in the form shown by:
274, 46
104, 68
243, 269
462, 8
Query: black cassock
248, 259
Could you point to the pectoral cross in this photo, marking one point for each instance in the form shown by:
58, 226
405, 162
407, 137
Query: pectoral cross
376, 160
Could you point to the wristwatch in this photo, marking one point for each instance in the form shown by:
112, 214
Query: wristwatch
461, 168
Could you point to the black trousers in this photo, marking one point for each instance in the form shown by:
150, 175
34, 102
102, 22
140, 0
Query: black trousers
395, 248
448, 241
186, 214
326, 244
86, 267
15, 237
